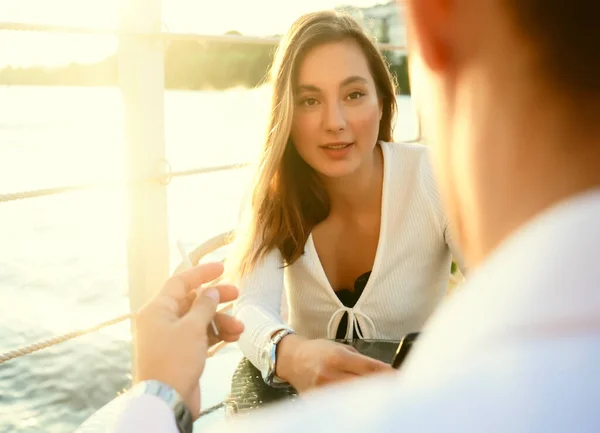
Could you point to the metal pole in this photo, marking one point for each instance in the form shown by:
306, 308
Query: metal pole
141, 78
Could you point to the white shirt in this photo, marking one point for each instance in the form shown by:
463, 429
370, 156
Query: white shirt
517, 349
408, 281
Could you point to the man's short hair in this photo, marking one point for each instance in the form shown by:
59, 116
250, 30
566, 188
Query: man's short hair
567, 35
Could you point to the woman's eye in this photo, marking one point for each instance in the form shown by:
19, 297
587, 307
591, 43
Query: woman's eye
356, 95
309, 101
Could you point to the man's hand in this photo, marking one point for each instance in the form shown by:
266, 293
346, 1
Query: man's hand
172, 332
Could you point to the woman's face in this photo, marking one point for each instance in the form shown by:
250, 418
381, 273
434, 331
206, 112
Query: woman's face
337, 110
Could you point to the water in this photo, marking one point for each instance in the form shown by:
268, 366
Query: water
63, 258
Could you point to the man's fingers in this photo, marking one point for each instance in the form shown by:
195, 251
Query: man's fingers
179, 285
229, 329
203, 309
228, 324
202, 274
229, 338
227, 292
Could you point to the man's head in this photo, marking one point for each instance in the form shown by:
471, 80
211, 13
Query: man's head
509, 94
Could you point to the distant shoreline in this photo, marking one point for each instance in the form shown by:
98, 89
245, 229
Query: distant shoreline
116, 86
187, 65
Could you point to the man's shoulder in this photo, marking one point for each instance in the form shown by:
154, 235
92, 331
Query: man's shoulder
512, 384
508, 389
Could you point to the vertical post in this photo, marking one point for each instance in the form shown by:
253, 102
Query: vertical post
141, 79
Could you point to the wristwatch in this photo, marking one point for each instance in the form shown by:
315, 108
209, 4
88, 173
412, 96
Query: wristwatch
183, 416
268, 360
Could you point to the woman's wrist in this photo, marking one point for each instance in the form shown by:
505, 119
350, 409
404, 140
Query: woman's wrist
286, 350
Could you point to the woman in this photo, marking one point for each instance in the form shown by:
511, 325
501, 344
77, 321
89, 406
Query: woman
347, 222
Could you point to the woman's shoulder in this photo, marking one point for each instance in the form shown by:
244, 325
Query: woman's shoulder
402, 150
410, 164
407, 157
405, 146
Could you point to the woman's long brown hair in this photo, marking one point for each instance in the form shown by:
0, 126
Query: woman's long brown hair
287, 199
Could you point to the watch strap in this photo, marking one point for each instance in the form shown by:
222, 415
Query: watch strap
182, 414
270, 355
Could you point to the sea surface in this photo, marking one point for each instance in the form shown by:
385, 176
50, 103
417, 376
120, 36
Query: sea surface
63, 258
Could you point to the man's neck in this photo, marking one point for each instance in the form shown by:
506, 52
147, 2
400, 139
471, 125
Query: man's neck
546, 164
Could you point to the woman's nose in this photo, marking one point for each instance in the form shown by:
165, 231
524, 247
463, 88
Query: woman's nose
335, 119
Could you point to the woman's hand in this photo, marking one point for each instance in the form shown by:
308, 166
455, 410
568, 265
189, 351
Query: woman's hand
308, 364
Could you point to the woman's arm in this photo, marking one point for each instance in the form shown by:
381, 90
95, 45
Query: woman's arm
259, 305
454, 250
439, 211
301, 362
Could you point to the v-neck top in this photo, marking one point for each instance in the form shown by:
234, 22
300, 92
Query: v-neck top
349, 298
408, 280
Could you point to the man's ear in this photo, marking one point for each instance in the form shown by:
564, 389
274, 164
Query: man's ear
429, 28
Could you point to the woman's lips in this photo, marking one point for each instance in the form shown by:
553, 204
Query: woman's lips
337, 150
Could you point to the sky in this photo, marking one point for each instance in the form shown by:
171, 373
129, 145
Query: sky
257, 17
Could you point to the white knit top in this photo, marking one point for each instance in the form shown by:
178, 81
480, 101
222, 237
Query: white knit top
408, 280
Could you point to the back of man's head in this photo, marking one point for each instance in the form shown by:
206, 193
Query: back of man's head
566, 36
509, 94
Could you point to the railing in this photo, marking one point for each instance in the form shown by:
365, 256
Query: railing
163, 179
195, 256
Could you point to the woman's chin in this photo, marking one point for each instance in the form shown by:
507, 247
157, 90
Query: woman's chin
338, 170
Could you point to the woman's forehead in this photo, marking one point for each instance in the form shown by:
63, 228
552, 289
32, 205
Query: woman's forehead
332, 64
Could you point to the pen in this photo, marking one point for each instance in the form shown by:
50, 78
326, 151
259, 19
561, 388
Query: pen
187, 263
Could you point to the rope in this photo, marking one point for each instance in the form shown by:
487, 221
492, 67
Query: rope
163, 179
212, 408
26, 350
52, 191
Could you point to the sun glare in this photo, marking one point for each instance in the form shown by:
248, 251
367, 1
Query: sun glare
260, 17
31, 48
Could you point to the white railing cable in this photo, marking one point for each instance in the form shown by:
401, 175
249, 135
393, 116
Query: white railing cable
164, 178
53, 341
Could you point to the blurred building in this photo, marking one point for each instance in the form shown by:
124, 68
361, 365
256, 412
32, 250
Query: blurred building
385, 21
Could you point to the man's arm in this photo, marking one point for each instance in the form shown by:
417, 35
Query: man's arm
128, 413
172, 338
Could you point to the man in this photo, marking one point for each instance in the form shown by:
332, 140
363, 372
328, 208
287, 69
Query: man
509, 95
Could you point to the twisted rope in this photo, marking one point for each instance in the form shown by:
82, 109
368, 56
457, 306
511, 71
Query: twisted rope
26, 350
35, 347
164, 179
